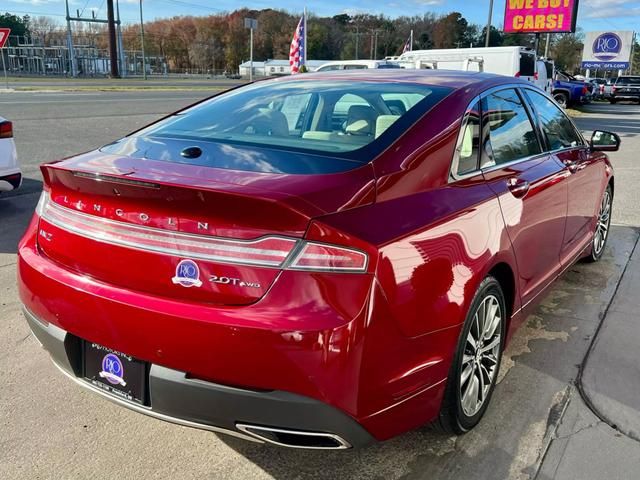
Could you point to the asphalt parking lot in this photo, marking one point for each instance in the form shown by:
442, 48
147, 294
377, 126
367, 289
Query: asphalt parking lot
541, 422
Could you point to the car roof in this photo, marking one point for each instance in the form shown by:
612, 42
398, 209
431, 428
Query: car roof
455, 79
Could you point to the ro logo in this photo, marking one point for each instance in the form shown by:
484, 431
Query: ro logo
607, 46
187, 274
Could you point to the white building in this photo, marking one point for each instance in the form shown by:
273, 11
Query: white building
275, 67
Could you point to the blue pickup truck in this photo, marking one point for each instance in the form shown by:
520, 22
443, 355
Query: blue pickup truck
567, 90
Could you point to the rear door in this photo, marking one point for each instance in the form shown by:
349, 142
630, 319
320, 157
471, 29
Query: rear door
585, 177
531, 187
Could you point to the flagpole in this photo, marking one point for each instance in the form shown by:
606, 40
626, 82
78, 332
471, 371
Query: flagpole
411, 37
305, 37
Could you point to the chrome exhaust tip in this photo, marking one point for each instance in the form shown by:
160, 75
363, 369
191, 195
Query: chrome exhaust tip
295, 438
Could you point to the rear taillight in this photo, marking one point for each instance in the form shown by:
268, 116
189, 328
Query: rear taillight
317, 256
585, 90
271, 251
6, 130
535, 76
613, 89
517, 75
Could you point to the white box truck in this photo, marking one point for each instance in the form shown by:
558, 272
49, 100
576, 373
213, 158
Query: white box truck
510, 61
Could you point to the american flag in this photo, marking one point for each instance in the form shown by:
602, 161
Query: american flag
296, 52
407, 45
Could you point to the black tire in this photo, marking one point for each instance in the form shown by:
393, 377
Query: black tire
562, 99
604, 224
453, 418
613, 101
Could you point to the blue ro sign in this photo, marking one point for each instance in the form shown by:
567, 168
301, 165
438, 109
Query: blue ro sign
609, 50
607, 46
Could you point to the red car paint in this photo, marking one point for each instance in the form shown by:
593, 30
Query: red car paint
377, 345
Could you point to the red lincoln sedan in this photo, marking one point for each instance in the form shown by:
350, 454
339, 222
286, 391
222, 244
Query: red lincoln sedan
318, 261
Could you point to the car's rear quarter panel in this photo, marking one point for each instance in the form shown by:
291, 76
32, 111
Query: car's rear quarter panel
436, 242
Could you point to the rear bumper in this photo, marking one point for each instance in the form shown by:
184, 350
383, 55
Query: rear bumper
10, 180
626, 96
235, 411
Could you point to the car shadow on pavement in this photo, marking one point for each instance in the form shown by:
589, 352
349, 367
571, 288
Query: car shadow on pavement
16, 211
422, 453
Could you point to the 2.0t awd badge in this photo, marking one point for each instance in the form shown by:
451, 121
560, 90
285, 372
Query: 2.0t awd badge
233, 281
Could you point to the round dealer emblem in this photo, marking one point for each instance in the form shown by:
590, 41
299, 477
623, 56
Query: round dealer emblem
112, 370
607, 46
187, 274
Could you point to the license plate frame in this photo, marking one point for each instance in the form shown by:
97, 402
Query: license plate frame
116, 373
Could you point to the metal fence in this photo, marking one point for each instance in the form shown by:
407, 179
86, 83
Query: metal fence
26, 56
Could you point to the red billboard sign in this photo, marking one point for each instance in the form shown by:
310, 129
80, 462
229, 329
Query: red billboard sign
540, 16
4, 36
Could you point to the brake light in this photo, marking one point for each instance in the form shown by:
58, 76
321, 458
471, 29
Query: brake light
584, 90
271, 251
613, 88
318, 256
6, 130
535, 76
517, 75
266, 251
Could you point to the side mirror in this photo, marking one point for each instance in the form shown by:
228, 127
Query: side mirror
602, 141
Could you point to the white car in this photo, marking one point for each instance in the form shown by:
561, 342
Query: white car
10, 174
356, 65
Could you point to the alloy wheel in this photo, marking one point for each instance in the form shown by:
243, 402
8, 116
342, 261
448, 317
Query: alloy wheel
602, 228
481, 355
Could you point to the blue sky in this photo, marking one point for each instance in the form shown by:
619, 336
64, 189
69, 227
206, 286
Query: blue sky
593, 14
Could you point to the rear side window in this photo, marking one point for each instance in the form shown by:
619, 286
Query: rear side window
467, 150
508, 133
527, 65
557, 128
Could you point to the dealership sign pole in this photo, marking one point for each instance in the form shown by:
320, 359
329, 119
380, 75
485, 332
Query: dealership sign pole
4, 37
251, 24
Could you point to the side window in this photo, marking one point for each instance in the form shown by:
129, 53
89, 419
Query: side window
466, 154
507, 132
355, 67
329, 68
556, 126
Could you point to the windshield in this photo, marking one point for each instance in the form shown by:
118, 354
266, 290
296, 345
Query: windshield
337, 117
628, 80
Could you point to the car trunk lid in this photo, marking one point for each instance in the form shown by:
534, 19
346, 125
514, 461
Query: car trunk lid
183, 231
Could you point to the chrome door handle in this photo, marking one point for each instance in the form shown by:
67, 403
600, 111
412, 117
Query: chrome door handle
572, 166
518, 187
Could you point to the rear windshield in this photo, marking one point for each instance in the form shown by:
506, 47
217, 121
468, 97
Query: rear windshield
527, 65
341, 118
628, 80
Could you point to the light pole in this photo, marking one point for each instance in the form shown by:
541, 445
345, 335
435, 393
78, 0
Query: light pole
486, 40
144, 59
